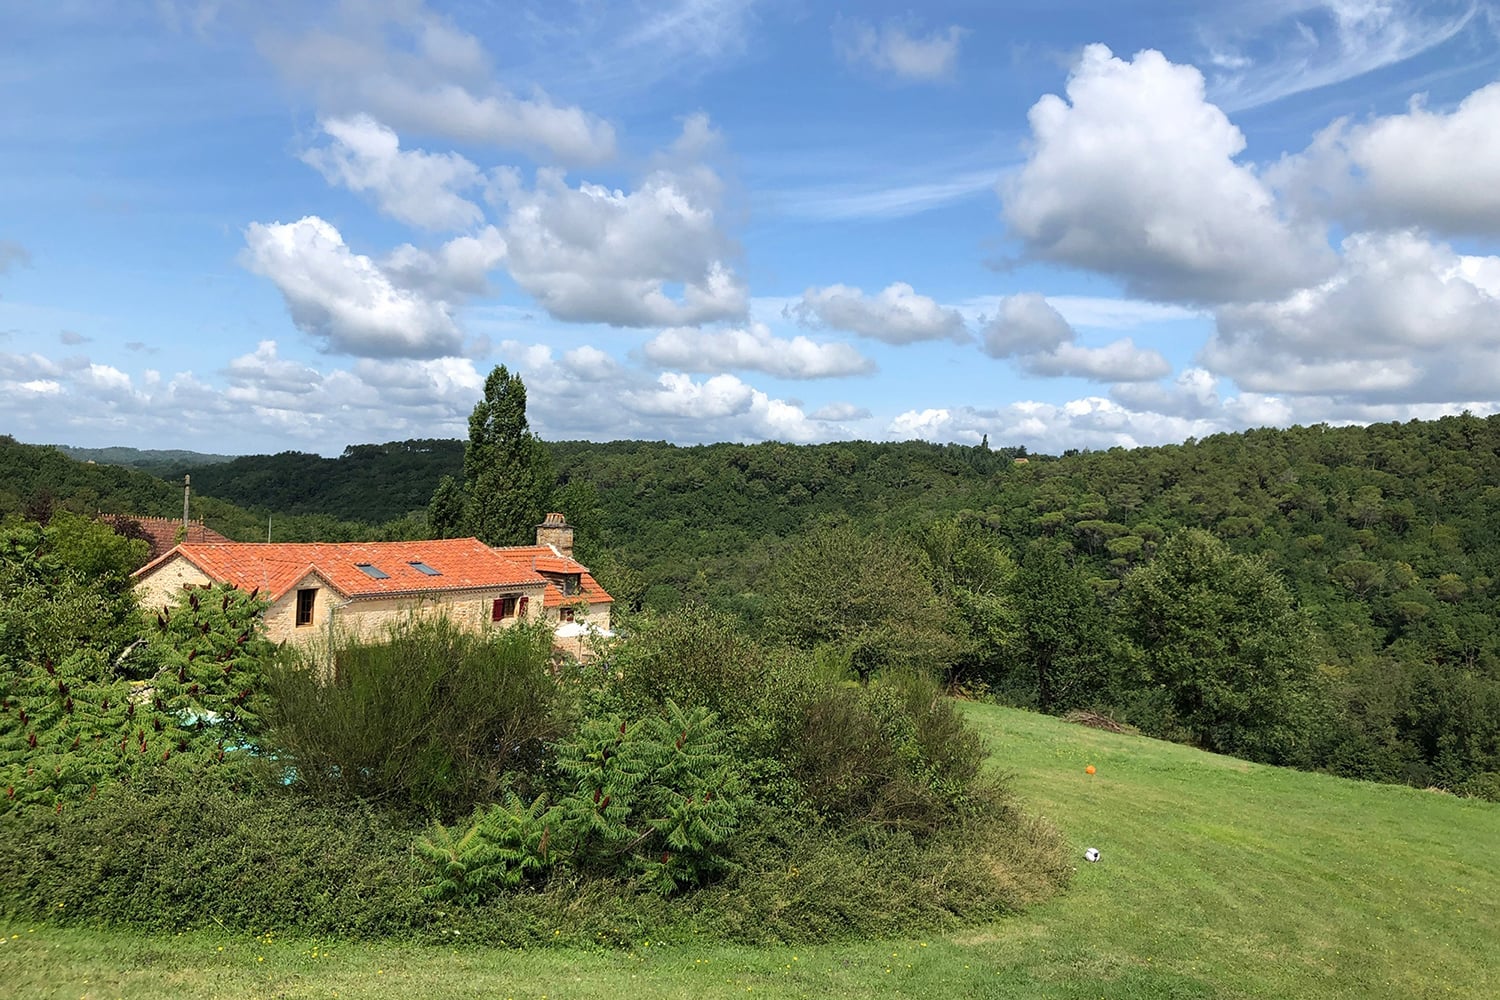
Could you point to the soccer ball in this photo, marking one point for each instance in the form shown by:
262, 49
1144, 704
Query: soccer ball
1092, 854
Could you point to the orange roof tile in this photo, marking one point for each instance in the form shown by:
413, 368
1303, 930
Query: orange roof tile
547, 560
162, 532
553, 596
276, 567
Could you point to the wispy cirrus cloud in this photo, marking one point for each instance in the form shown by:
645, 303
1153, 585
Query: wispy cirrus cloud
627, 47
13, 254
874, 200
1274, 50
413, 69
899, 50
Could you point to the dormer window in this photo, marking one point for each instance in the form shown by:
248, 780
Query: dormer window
571, 585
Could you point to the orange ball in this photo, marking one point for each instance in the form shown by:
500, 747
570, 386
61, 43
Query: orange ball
1089, 769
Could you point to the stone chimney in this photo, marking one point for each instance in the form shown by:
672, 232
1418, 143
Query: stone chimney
556, 532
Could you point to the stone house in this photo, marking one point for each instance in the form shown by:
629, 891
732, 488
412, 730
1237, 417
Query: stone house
318, 590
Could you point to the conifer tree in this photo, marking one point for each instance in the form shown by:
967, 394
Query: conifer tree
507, 471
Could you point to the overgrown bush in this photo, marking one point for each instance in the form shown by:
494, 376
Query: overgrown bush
431, 718
188, 853
893, 754
442, 782
693, 656
186, 688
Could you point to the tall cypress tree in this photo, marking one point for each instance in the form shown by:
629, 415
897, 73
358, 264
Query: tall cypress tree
508, 474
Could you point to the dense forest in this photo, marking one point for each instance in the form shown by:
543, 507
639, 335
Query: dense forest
1374, 551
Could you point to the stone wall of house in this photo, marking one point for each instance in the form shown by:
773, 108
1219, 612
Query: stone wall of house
164, 587
281, 615
372, 617
597, 614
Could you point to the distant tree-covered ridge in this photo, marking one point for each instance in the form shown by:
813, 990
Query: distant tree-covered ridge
156, 461
37, 479
372, 483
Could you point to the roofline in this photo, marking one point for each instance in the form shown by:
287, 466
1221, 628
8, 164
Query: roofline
361, 596
163, 558
540, 580
311, 569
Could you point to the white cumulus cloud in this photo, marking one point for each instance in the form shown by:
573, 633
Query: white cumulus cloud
895, 315
1193, 393
1437, 170
653, 256
346, 299
1027, 327
1134, 175
1405, 320
838, 412
411, 186
753, 348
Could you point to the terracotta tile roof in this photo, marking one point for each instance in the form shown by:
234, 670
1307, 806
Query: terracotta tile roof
553, 597
546, 560
162, 532
276, 567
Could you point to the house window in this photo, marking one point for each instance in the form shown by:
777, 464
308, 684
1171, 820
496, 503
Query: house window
305, 601
503, 608
566, 614
373, 572
571, 585
422, 567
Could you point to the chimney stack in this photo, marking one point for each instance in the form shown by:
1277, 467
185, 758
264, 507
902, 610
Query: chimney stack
556, 532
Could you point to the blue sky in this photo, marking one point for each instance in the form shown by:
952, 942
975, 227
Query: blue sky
260, 226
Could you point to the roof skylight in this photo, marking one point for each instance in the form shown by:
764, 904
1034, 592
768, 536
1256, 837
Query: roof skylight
422, 567
373, 572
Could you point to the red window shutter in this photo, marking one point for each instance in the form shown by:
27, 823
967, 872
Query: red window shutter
521, 607
497, 610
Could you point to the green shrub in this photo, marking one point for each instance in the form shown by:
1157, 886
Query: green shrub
71, 727
658, 799
192, 854
895, 754
692, 656
501, 847
434, 718
807, 882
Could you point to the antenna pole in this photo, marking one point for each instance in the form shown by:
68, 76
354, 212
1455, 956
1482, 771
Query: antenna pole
186, 489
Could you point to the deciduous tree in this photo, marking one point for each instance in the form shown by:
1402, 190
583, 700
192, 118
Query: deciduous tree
1220, 633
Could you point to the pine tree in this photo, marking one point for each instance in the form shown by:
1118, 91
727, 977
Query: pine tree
507, 471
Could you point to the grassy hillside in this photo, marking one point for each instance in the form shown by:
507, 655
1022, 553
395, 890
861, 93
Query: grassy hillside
1218, 879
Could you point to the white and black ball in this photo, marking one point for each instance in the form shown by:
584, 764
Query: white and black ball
1091, 854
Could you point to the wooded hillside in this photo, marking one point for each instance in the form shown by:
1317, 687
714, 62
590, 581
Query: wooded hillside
1386, 539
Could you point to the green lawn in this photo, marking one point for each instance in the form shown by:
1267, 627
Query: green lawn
1218, 879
